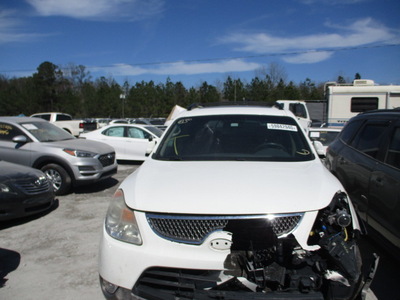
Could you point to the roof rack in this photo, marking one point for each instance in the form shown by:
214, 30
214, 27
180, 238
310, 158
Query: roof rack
233, 103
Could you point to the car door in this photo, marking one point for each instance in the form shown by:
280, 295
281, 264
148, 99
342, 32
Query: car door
115, 136
11, 151
137, 143
384, 193
357, 162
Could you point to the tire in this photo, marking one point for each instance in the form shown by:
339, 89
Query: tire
59, 177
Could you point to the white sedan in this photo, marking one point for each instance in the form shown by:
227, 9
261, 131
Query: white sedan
130, 141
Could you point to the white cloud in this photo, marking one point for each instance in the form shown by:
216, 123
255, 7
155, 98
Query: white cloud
9, 32
308, 57
130, 10
181, 68
360, 33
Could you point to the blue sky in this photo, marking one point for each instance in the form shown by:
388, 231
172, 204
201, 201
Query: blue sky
200, 40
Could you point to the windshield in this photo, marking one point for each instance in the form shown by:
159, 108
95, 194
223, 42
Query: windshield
235, 137
47, 132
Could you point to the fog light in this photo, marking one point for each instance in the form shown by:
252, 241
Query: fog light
108, 286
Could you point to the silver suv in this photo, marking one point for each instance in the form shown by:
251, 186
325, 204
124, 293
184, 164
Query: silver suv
66, 160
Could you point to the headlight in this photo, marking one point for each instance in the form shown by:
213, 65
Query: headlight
79, 153
120, 221
5, 188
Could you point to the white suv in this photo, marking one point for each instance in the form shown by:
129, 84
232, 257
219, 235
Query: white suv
224, 209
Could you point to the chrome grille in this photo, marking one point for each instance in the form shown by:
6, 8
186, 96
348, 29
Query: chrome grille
31, 187
194, 229
107, 159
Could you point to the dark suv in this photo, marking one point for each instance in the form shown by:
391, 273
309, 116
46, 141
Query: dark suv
366, 159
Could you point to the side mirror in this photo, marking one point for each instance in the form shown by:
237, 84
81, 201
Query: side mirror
151, 146
150, 138
319, 148
20, 139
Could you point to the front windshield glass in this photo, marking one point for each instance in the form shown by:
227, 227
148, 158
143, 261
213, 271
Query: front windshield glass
47, 132
235, 137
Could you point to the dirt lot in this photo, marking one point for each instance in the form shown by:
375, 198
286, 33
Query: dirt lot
54, 256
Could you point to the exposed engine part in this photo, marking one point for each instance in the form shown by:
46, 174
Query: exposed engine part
336, 276
273, 264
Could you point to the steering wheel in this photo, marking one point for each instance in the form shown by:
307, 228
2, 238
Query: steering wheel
270, 145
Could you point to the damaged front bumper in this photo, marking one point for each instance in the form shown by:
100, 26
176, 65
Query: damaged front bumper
246, 257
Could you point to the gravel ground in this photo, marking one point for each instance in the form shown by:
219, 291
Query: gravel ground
54, 256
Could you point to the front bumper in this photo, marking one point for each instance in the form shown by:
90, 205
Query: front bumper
18, 207
165, 269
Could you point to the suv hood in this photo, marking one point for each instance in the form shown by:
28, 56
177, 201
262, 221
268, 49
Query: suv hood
82, 144
230, 187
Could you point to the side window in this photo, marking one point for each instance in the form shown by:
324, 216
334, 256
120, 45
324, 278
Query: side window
369, 139
298, 110
361, 104
393, 155
114, 131
7, 132
349, 130
62, 118
44, 117
136, 133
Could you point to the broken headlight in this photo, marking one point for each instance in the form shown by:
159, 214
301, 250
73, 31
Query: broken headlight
336, 231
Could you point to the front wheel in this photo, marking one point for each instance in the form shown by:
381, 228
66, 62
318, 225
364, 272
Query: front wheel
58, 177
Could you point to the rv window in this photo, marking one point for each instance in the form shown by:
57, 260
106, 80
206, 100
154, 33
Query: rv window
361, 104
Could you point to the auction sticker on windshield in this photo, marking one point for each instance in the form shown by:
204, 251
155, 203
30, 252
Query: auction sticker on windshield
286, 127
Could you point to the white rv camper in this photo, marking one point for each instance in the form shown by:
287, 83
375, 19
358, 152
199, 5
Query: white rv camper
347, 100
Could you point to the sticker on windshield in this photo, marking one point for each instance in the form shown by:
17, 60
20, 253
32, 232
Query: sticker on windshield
29, 126
184, 121
287, 127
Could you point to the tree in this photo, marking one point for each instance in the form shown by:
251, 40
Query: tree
234, 90
46, 81
357, 76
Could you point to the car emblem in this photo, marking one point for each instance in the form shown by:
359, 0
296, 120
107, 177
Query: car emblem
221, 244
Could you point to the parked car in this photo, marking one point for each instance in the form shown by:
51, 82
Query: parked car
157, 122
24, 191
325, 136
66, 160
65, 121
223, 209
366, 159
131, 142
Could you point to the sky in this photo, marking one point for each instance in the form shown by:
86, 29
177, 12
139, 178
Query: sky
193, 41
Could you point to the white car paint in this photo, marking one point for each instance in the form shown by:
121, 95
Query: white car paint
127, 146
192, 189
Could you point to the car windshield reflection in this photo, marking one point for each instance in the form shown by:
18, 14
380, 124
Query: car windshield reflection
46, 132
235, 137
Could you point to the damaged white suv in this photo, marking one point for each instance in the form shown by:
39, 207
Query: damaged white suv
233, 203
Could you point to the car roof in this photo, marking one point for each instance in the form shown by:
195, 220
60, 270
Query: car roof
127, 125
21, 119
236, 110
380, 112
